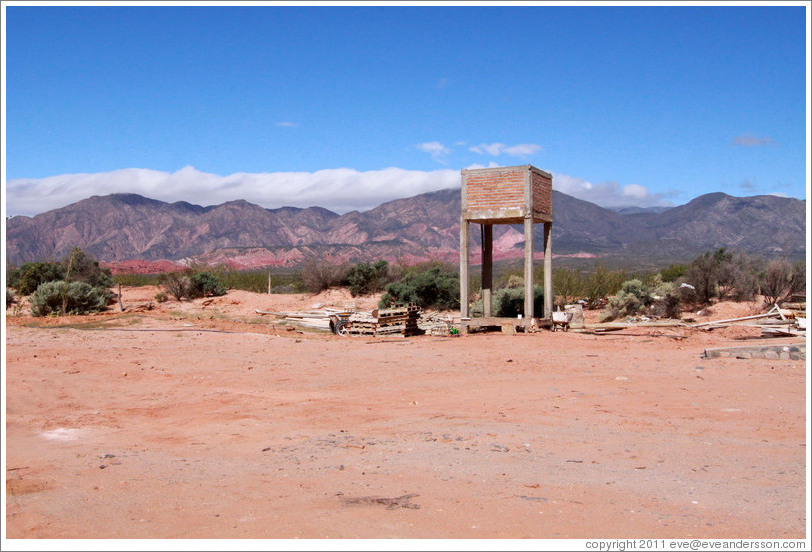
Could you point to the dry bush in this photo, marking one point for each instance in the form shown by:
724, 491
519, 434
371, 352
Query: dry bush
318, 275
781, 279
722, 275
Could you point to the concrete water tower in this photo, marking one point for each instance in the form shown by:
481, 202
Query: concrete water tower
505, 195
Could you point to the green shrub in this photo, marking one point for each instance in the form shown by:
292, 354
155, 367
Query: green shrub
673, 272
191, 284
509, 278
601, 283
365, 278
85, 268
427, 285
247, 280
633, 296
568, 285
10, 299
205, 284
76, 267
667, 301
29, 276
509, 302
60, 297
656, 298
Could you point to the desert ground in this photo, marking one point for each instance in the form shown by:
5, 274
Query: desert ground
206, 420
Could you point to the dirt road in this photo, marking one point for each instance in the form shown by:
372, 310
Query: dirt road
193, 421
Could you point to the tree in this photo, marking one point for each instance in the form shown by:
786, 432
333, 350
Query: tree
722, 274
365, 278
29, 276
84, 268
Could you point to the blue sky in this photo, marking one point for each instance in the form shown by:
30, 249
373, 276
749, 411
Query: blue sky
349, 106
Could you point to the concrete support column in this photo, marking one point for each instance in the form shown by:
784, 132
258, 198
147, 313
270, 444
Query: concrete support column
528, 267
464, 266
487, 269
548, 269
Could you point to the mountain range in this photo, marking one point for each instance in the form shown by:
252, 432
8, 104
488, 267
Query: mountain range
123, 230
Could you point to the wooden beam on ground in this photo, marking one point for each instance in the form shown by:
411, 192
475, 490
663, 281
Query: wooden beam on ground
754, 317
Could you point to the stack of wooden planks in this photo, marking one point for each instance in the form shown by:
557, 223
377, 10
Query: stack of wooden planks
410, 324
362, 323
399, 320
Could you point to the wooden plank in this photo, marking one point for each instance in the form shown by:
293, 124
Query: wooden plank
754, 317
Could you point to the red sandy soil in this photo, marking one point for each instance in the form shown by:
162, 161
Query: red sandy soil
205, 420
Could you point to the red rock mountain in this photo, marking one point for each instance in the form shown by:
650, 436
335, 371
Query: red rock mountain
125, 227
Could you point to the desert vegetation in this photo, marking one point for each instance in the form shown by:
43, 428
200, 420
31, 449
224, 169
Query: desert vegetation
77, 284
74, 285
192, 284
429, 285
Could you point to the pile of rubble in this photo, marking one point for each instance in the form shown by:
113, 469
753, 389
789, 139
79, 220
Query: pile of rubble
788, 320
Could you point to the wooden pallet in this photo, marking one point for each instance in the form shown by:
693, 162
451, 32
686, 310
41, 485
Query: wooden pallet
399, 320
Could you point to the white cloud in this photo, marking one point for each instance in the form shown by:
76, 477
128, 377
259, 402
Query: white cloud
340, 190
608, 194
522, 150
497, 148
435, 149
286, 124
492, 149
491, 165
634, 191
